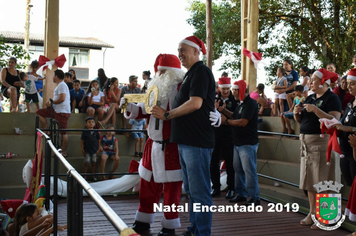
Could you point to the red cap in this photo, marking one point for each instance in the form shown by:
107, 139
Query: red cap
224, 82
352, 74
240, 85
166, 61
326, 76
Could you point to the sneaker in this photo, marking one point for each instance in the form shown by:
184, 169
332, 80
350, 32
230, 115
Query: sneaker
136, 154
140, 227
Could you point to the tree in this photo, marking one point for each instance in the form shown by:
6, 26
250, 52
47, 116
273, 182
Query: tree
7, 51
309, 32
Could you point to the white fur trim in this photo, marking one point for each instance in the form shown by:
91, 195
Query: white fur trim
142, 106
224, 85
190, 43
352, 77
318, 74
235, 86
327, 81
133, 109
145, 173
145, 217
171, 224
167, 68
158, 163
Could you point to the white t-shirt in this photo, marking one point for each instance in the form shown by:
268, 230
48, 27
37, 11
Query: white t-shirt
63, 107
98, 97
30, 85
23, 229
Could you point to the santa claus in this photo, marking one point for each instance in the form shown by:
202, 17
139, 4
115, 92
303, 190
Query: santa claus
159, 168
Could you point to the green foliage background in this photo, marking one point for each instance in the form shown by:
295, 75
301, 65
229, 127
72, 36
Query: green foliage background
309, 32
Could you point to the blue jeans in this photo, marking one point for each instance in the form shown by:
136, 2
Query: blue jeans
195, 162
245, 166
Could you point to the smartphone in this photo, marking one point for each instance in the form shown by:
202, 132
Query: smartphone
92, 89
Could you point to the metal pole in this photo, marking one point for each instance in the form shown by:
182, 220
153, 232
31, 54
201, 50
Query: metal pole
79, 207
47, 174
55, 194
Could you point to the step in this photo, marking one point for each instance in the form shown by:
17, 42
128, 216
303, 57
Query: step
274, 124
278, 169
12, 192
23, 144
277, 148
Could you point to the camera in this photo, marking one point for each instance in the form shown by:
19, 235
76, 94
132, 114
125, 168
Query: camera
92, 89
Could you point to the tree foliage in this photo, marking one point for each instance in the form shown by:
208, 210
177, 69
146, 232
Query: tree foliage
7, 51
309, 32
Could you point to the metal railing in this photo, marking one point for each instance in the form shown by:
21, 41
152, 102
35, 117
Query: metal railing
76, 185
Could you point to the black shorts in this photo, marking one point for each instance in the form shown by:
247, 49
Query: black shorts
4, 92
94, 106
33, 97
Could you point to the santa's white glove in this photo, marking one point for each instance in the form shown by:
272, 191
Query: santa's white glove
215, 118
122, 101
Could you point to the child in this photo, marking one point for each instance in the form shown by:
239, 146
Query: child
68, 80
281, 83
28, 221
90, 142
76, 96
137, 124
109, 148
30, 89
285, 116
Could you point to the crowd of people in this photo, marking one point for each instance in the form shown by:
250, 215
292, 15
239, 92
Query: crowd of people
195, 126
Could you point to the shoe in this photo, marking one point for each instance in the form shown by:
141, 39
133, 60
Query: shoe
166, 232
136, 154
187, 233
291, 131
256, 202
238, 198
215, 193
140, 154
140, 227
230, 194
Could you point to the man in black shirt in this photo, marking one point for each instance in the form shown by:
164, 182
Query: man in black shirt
192, 130
245, 138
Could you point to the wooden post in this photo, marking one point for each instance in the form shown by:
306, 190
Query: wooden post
249, 38
27, 31
209, 35
51, 45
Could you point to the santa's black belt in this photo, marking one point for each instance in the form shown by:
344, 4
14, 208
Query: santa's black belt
163, 143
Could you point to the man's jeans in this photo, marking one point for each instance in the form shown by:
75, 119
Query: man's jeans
245, 165
195, 162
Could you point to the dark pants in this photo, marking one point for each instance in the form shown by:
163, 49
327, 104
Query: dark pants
223, 148
348, 169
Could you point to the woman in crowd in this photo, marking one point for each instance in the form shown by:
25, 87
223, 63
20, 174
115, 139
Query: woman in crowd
305, 72
112, 94
261, 99
332, 68
74, 77
292, 79
102, 78
313, 168
348, 127
11, 83
343, 93
146, 77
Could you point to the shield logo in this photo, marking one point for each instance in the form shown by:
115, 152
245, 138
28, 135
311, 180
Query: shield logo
328, 208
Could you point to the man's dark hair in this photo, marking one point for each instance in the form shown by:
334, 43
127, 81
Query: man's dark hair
76, 81
224, 74
132, 78
22, 75
67, 74
89, 118
299, 88
59, 74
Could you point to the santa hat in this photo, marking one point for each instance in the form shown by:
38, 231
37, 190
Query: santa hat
195, 42
224, 82
326, 76
240, 85
10, 206
133, 167
352, 74
166, 61
333, 144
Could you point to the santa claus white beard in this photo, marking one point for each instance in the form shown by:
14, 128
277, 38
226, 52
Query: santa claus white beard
166, 82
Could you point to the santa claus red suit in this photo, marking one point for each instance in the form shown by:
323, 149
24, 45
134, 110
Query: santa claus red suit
159, 167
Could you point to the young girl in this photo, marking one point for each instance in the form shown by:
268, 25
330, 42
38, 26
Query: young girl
29, 82
28, 221
95, 100
305, 72
110, 148
281, 83
112, 98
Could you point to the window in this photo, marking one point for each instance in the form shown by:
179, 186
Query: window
79, 58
